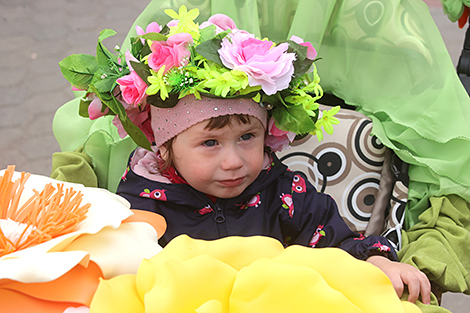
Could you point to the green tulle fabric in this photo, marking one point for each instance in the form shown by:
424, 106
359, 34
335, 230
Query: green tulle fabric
385, 57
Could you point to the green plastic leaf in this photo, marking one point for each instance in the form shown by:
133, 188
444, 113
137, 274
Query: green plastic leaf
83, 108
136, 46
143, 70
209, 50
207, 33
302, 64
154, 36
106, 33
118, 109
157, 101
79, 69
293, 118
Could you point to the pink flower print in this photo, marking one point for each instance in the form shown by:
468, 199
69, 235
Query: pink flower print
317, 236
361, 237
205, 210
124, 178
157, 194
172, 53
298, 184
266, 66
95, 108
277, 139
381, 247
288, 204
255, 201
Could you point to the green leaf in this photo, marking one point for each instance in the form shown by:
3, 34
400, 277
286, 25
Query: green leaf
83, 108
118, 109
293, 118
209, 50
302, 64
157, 101
207, 33
142, 69
106, 33
79, 69
154, 36
136, 46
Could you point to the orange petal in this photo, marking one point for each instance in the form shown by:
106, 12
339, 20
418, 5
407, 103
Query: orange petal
76, 288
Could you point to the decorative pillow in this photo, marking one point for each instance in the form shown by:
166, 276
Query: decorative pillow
349, 166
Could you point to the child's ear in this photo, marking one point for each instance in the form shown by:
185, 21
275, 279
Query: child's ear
163, 152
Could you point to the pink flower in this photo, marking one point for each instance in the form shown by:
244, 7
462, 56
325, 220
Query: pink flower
266, 66
94, 109
151, 28
311, 52
221, 21
133, 88
140, 116
278, 139
172, 53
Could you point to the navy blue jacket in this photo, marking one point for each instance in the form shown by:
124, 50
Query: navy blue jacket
279, 204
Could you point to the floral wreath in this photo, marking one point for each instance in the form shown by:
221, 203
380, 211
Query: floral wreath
214, 59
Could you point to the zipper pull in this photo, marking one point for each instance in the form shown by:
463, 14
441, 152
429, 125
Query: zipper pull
219, 215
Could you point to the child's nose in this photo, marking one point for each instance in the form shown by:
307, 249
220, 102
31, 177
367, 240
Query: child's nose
232, 159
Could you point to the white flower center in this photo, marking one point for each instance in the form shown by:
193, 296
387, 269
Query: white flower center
13, 230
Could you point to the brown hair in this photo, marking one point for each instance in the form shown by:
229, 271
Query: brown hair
217, 122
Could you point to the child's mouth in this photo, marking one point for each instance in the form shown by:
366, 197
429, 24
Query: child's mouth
232, 182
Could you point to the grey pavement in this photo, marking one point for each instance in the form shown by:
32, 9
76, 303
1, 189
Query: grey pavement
36, 34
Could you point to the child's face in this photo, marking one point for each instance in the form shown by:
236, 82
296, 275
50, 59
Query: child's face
220, 162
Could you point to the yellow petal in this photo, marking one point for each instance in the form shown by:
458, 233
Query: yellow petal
117, 295
211, 306
185, 286
267, 286
355, 279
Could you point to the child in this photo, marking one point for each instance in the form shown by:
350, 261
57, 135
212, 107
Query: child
214, 99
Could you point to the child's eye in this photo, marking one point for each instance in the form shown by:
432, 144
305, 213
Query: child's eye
246, 136
209, 143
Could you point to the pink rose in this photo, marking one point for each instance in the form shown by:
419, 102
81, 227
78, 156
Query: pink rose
140, 116
311, 52
277, 139
266, 66
95, 108
172, 53
133, 88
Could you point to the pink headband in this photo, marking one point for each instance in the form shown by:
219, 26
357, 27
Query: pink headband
169, 122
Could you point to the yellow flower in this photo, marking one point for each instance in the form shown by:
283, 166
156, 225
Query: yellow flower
328, 119
157, 83
185, 21
221, 83
249, 274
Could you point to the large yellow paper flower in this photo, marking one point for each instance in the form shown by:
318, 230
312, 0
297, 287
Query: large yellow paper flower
65, 271
249, 274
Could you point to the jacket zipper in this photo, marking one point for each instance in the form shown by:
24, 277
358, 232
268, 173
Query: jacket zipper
219, 219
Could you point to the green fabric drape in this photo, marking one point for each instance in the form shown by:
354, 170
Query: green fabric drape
385, 57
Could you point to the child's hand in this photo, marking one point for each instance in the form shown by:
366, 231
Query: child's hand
401, 274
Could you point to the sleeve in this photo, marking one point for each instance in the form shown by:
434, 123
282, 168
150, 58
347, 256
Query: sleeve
317, 223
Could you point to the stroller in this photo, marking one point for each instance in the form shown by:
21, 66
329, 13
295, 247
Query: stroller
385, 64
